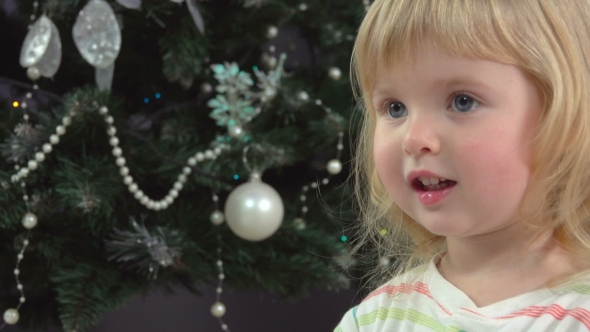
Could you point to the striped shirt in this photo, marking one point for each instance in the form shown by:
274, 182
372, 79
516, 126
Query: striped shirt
425, 301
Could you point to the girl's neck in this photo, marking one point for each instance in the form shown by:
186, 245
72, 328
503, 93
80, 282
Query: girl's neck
493, 267
508, 248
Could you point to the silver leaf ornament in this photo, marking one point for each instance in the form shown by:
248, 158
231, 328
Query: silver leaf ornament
97, 34
42, 47
50, 62
196, 14
131, 4
36, 42
104, 77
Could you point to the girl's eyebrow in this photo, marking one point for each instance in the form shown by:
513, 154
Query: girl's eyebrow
469, 80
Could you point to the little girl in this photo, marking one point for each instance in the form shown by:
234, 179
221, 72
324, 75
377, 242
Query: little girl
476, 151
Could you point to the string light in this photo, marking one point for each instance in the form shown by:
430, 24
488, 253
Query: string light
15, 104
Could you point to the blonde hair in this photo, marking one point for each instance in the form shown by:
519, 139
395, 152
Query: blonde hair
547, 40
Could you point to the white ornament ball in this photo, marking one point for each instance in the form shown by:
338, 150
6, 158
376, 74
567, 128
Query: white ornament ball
334, 166
335, 73
271, 31
33, 73
236, 131
11, 316
218, 309
254, 210
217, 218
29, 221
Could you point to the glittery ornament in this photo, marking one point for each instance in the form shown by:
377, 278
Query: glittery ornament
97, 36
41, 50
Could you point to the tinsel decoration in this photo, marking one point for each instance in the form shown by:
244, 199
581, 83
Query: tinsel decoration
144, 251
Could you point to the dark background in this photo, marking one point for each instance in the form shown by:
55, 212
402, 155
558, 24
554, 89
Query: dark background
247, 311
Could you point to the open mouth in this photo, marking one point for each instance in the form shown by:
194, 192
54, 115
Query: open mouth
432, 184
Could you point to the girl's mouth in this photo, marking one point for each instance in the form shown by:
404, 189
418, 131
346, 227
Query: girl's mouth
432, 184
432, 190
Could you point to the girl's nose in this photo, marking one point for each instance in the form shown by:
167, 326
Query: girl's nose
421, 137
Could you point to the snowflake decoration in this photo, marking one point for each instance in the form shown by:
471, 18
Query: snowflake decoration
232, 111
270, 83
231, 78
236, 102
143, 251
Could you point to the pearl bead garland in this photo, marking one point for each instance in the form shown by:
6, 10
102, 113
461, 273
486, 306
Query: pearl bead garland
334, 166
120, 161
29, 221
218, 308
11, 316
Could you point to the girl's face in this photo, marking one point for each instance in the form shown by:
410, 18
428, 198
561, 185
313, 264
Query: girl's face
452, 141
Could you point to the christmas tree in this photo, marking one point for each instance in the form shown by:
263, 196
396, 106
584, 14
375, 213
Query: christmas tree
159, 143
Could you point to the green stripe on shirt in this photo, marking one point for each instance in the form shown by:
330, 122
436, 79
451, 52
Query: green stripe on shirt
411, 315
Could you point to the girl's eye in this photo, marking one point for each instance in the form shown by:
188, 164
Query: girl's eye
463, 104
396, 110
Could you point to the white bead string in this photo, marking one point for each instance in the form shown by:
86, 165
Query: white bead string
35, 7
29, 221
218, 308
217, 217
334, 166
120, 161
11, 316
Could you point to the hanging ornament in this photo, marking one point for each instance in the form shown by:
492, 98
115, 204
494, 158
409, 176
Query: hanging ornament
97, 36
131, 4
41, 50
254, 210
